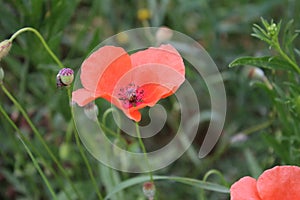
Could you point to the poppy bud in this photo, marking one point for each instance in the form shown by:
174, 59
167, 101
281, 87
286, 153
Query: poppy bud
163, 34
256, 73
4, 48
64, 77
143, 14
1, 75
149, 190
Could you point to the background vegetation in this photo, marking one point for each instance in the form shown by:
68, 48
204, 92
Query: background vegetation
73, 28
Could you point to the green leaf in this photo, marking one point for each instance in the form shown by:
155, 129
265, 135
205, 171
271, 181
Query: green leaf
258, 30
189, 181
268, 62
253, 165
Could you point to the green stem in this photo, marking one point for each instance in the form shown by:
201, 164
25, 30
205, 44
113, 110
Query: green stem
41, 39
295, 66
216, 172
88, 166
83, 154
105, 114
256, 128
143, 149
35, 163
39, 170
38, 135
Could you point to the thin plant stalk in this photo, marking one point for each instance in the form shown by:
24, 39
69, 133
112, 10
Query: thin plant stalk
38, 135
143, 149
27, 142
42, 41
35, 163
32, 126
89, 168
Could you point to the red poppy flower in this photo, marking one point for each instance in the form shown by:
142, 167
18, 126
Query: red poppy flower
278, 183
130, 82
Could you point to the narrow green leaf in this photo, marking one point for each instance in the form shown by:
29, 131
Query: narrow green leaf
267, 62
258, 29
297, 51
193, 182
261, 37
253, 165
293, 37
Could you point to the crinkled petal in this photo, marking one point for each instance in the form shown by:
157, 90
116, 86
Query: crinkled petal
164, 55
244, 189
278, 183
101, 70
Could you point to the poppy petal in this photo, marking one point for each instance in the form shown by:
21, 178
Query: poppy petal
83, 96
165, 55
163, 66
135, 115
281, 182
244, 189
155, 80
101, 70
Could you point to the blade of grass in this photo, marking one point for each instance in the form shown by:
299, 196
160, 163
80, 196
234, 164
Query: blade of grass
188, 181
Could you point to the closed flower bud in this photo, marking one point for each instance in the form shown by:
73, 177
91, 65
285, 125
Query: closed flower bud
256, 73
4, 48
64, 77
1, 75
149, 190
163, 34
272, 29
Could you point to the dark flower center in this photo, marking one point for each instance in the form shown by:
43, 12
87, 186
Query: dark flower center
131, 95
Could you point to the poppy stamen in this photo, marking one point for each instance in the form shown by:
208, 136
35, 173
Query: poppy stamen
131, 95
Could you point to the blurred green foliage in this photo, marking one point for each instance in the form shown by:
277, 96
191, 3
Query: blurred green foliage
73, 28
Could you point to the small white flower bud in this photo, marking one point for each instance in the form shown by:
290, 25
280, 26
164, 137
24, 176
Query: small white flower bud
256, 73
